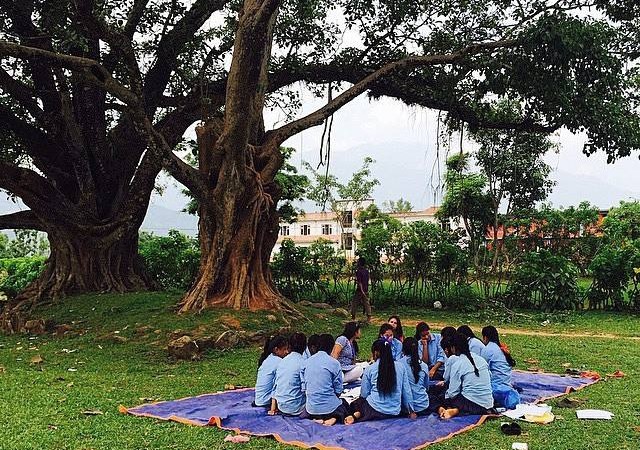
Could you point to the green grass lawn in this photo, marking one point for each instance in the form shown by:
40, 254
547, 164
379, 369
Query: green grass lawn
42, 404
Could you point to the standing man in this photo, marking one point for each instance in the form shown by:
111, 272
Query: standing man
361, 295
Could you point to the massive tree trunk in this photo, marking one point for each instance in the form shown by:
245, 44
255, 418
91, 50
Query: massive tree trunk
238, 218
84, 258
236, 241
90, 263
238, 229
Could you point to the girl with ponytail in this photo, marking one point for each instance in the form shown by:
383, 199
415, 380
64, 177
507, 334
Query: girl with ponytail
500, 363
475, 344
469, 390
385, 388
275, 348
418, 373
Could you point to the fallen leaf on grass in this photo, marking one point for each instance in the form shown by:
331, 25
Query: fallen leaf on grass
70, 384
2, 369
52, 426
532, 361
148, 399
237, 438
567, 365
37, 359
92, 412
72, 369
636, 429
66, 350
616, 374
534, 369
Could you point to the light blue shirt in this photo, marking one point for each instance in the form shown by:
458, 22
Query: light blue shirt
447, 367
266, 379
387, 404
436, 354
396, 349
476, 346
419, 388
463, 380
498, 366
321, 377
288, 386
347, 356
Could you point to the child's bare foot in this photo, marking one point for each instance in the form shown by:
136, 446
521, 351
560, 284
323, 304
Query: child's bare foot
320, 421
449, 413
440, 411
349, 420
329, 422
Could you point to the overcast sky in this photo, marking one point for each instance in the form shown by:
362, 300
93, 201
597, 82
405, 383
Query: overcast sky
364, 123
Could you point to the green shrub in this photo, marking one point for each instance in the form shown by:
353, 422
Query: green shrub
171, 260
545, 281
17, 273
612, 270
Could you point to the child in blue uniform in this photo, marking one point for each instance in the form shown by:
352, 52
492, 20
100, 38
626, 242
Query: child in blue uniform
418, 374
475, 345
288, 397
345, 350
398, 332
274, 350
385, 388
386, 333
500, 363
312, 346
469, 390
430, 351
321, 377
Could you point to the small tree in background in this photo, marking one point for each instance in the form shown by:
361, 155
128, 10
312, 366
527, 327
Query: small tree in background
467, 201
397, 206
342, 199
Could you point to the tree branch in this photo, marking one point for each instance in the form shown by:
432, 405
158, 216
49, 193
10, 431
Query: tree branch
45, 153
35, 191
186, 175
171, 45
119, 42
24, 131
22, 220
22, 94
92, 70
135, 15
21, 14
279, 135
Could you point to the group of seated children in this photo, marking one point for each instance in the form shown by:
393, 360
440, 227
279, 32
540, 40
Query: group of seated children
451, 373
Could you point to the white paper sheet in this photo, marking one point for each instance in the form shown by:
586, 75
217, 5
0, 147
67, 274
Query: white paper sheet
594, 414
527, 409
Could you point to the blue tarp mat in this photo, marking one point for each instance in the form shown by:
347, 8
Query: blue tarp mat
232, 410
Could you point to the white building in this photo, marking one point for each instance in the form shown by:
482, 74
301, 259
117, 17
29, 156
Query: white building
326, 225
